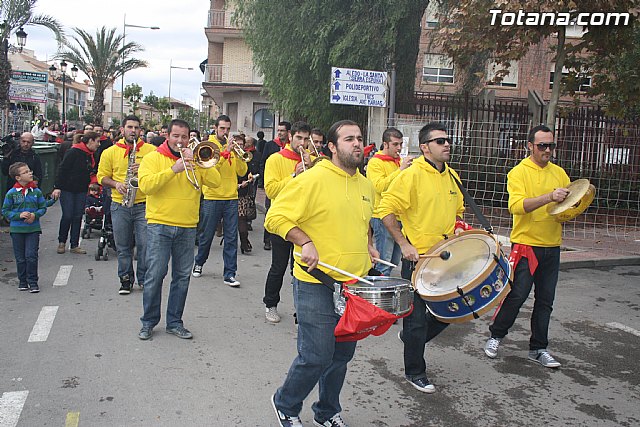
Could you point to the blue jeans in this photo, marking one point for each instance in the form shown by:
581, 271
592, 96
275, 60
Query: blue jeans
25, 250
72, 205
165, 242
321, 360
126, 222
388, 248
545, 279
418, 329
210, 213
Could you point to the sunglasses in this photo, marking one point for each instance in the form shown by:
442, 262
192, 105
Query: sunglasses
543, 147
440, 141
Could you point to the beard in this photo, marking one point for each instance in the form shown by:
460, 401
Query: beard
350, 160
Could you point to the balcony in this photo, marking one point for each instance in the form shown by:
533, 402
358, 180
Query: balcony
220, 19
232, 74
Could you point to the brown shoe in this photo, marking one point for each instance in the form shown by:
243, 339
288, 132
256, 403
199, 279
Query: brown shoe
77, 250
61, 248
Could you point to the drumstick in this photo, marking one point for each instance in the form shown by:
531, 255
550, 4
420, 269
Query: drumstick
336, 269
381, 261
445, 255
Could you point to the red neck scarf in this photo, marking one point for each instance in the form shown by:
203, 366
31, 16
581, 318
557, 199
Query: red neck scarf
127, 147
368, 149
25, 188
386, 158
250, 149
280, 144
83, 147
166, 151
288, 153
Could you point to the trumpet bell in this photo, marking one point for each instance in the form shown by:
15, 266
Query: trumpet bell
206, 154
246, 156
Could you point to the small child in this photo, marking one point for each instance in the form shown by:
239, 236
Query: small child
23, 206
94, 201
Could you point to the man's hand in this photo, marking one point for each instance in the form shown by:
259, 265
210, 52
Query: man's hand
559, 194
55, 194
409, 252
121, 188
299, 168
406, 162
310, 255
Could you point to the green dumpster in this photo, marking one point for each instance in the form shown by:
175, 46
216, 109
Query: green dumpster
3, 183
48, 153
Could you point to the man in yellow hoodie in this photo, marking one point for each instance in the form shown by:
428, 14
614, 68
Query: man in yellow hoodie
221, 203
427, 201
536, 237
128, 221
325, 213
172, 215
281, 168
382, 169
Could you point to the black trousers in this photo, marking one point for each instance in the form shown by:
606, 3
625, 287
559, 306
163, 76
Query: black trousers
267, 205
281, 253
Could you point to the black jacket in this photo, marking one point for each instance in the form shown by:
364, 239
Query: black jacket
74, 173
30, 158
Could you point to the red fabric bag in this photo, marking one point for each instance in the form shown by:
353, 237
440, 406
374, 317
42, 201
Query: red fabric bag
361, 319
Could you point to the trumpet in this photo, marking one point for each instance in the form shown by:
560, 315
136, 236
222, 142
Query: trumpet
244, 155
205, 155
306, 157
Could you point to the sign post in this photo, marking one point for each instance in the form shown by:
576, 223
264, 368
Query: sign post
362, 88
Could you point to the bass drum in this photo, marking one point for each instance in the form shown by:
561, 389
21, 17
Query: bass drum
469, 283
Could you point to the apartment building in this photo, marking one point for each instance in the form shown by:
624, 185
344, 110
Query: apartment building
231, 80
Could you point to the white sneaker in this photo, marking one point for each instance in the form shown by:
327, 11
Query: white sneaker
491, 347
272, 315
231, 281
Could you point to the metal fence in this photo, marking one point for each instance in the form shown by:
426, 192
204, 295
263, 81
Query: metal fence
490, 139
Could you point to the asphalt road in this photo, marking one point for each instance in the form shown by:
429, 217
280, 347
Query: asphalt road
92, 370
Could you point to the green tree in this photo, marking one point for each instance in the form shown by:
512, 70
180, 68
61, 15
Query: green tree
151, 100
296, 42
103, 59
88, 116
133, 92
53, 115
15, 14
73, 114
186, 114
469, 38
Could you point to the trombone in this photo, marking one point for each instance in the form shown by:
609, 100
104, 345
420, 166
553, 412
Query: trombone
205, 155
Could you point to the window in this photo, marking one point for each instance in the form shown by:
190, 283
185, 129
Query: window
437, 69
431, 16
509, 80
583, 81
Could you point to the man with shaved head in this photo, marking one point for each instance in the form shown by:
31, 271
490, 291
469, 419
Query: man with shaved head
23, 153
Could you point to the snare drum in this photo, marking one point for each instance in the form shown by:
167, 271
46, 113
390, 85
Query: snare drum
466, 285
391, 294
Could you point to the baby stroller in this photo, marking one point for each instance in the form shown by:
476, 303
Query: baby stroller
93, 211
106, 240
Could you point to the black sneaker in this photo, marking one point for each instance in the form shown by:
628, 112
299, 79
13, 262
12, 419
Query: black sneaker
23, 287
145, 333
335, 421
180, 332
285, 420
197, 271
125, 288
422, 384
34, 289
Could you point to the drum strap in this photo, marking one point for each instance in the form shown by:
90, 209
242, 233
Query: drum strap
461, 293
473, 205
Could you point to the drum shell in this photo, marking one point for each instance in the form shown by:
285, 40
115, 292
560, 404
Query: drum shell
391, 294
488, 289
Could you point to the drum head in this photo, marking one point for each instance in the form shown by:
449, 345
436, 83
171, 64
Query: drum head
471, 257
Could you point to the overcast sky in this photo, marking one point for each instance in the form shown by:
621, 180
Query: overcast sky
180, 39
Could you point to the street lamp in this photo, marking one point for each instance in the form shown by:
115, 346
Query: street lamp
63, 76
21, 37
124, 36
171, 67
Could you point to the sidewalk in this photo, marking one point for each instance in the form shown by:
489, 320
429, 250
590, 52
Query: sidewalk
572, 256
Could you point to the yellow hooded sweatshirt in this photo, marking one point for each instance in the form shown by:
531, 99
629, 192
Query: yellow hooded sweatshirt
114, 164
425, 201
278, 172
527, 180
381, 173
171, 199
333, 208
229, 173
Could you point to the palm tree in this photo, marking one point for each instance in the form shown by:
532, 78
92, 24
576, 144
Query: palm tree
102, 59
15, 14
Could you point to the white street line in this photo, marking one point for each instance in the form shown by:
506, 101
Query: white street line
624, 328
63, 275
41, 329
11, 404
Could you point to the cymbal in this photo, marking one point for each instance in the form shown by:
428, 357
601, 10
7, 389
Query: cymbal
577, 190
